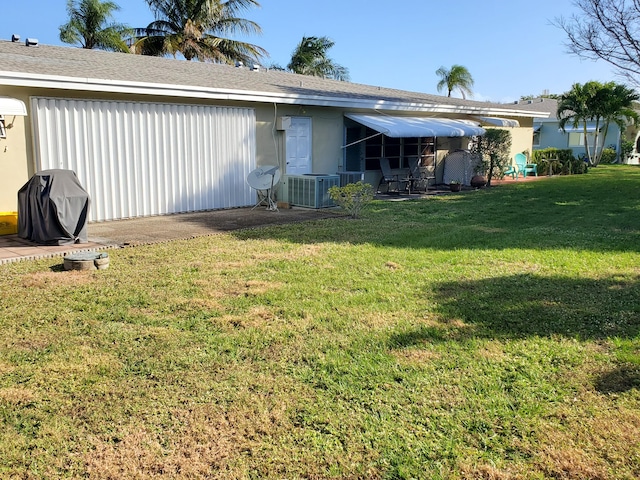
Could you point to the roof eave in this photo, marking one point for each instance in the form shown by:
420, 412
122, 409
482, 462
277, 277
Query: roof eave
185, 91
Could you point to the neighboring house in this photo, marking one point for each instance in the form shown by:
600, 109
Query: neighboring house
149, 136
547, 132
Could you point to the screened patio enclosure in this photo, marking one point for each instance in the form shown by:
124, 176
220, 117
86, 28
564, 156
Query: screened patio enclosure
371, 137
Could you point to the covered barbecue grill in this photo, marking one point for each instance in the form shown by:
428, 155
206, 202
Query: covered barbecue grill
53, 209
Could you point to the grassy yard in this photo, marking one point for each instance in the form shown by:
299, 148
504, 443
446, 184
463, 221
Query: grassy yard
492, 334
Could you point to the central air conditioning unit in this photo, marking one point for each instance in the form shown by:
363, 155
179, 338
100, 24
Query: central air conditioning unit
310, 190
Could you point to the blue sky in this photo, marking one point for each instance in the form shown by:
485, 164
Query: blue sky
509, 46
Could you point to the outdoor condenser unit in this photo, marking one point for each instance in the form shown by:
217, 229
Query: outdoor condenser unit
311, 190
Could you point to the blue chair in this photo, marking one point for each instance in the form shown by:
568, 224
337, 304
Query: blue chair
511, 170
524, 167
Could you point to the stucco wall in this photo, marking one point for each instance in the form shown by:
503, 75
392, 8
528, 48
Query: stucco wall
552, 137
327, 136
521, 139
15, 155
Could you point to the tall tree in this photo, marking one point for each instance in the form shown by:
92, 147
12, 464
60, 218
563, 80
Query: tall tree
606, 30
598, 104
195, 29
89, 25
456, 78
310, 58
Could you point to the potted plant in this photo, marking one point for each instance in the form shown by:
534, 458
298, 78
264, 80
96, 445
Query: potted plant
455, 185
478, 180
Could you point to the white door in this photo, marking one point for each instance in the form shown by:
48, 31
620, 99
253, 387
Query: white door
298, 146
137, 159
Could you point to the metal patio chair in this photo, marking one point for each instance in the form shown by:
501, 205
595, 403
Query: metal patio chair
419, 177
388, 178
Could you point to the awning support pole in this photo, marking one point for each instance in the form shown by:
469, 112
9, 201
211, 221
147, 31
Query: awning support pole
361, 140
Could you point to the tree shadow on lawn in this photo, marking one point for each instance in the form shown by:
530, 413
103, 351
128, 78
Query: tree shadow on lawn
619, 380
523, 305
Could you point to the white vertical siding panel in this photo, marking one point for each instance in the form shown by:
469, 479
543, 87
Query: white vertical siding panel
128, 148
180, 162
102, 197
186, 164
123, 176
198, 196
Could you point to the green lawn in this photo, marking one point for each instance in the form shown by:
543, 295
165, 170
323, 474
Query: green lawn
491, 334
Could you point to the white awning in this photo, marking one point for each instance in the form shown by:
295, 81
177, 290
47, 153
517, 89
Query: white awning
579, 129
409, 127
499, 122
12, 106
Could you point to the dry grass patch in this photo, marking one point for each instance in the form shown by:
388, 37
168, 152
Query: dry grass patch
489, 472
415, 356
6, 368
202, 442
240, 288
36, 341
43, 280
595, 444
372, 320
259, 317
17, 396
217, 440
491, 350
210, 302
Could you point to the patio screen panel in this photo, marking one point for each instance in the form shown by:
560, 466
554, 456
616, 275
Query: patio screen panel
139, 159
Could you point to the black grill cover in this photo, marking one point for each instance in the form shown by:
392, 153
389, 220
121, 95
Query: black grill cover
53, 209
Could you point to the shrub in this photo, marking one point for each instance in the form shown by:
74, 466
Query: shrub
578, 165
626, 149
353, 197
559, 161
494, 147
608, 156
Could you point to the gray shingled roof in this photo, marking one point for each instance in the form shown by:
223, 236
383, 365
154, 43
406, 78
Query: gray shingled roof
548, 105
23, 65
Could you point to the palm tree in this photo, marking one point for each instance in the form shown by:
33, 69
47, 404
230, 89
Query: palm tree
599, 104
194, 29
619, 107
310, 58
88, 25
458, 77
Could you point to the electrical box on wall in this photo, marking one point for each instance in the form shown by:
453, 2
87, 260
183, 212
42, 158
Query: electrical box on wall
283, 123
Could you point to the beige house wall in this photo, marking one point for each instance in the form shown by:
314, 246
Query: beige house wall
522, 141
15, 154
327, 136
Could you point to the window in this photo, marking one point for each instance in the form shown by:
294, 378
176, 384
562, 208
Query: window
576, 139
397, 150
